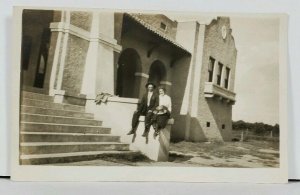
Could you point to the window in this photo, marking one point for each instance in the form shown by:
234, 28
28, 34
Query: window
219, 74
163, 26
207, 124
226, 80
211, 69
223, 126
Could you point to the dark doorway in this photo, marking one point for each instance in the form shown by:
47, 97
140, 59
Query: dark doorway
35, 46
157, 72
129, 63
42, 59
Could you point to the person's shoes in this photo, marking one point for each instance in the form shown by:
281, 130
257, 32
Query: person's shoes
131, 132
145, 134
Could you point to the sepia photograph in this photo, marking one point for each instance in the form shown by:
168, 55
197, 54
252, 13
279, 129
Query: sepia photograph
103, 88
136, 95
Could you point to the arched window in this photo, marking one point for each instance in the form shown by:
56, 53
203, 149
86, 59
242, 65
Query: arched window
128, 64
157, 72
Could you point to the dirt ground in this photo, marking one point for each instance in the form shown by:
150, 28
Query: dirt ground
250, 154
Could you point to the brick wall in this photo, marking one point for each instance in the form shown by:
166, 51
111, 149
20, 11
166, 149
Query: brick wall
81, 19
74, 64
214, 110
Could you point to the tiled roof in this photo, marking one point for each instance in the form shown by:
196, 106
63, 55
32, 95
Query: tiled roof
156, 31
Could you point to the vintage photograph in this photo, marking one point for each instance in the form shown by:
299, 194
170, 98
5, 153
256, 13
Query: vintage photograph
104, 88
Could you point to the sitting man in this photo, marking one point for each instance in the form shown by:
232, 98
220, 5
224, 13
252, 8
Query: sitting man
146, 106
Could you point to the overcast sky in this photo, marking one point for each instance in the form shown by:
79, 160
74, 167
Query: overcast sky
257, 69
257, 73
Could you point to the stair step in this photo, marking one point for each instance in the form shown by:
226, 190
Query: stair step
47, 104
49, 111
37, 159
66, 137
36, 96
66, 147
62, 128
58, 119
33, 89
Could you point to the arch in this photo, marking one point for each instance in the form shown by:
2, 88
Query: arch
128, 64
157, 72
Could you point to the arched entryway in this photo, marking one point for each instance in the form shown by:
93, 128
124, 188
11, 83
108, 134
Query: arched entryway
128, 64
157, 72
35, 47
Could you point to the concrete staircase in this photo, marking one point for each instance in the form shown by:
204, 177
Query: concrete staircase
58, 133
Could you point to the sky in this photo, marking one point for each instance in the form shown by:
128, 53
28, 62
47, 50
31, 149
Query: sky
257, 67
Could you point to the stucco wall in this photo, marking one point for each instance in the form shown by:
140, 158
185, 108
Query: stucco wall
180, 83
138, 40
155, 20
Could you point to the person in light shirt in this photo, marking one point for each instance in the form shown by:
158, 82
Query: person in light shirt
162, 112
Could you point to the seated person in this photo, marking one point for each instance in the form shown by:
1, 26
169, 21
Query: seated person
162, 112
145, 108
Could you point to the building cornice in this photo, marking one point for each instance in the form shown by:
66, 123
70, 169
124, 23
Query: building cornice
86, 35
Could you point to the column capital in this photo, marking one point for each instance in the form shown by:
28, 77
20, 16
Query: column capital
166, 83
141, 74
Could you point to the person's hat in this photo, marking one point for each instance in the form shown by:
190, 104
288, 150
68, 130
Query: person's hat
149, 83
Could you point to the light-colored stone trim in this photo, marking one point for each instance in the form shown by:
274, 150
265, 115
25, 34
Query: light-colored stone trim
197, 70
63, 54
55, 64
79, 32
58, 96
109, 42
215, 71
141, 74
89, 76
229, 79
123, 100
222, 84
166, 83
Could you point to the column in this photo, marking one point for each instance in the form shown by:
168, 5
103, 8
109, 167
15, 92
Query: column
89, 77
55, 65
197, 71
215, 72
60, 63
106, 48
223, 74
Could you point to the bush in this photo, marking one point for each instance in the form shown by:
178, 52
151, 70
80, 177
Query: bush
256, 128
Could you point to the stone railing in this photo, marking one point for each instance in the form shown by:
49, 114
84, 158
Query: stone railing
212, 90
117, 113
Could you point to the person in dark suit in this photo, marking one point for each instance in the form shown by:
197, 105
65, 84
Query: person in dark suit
147, 104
